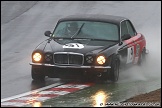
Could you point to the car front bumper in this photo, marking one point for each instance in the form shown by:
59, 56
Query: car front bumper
71, 66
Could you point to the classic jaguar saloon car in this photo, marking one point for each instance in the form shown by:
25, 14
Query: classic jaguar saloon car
88, 46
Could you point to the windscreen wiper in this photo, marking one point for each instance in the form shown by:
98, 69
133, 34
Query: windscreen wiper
95, 39
78, 30
103, 40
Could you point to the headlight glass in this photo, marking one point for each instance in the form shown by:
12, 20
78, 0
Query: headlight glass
37, 57
48, 57
101, 60
89, 59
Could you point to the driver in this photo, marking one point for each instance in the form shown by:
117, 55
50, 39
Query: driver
72, 28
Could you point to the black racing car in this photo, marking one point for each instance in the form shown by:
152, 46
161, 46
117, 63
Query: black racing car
88, 46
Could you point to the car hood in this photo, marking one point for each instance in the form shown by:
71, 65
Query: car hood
77, 46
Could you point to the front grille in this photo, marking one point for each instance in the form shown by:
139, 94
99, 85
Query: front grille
68, 58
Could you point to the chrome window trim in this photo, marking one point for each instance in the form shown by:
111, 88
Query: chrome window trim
120, 27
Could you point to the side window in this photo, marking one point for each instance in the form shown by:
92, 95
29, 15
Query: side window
131, 30
124, 29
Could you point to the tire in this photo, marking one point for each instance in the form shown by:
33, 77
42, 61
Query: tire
114, 73
37, 74
142, 57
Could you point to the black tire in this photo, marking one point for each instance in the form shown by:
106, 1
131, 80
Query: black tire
142, 57
114, 73
37, 74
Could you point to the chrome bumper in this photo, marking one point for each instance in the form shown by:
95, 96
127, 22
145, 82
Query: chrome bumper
71, 66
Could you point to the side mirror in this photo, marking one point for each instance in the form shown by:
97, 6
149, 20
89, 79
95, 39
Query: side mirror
125, 37
47, 33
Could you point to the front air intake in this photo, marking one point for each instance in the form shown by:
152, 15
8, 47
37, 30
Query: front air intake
68, 58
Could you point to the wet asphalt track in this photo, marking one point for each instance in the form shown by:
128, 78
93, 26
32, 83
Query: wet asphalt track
22, 28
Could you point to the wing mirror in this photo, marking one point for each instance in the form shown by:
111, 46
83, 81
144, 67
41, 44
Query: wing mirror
125, 37
47, 33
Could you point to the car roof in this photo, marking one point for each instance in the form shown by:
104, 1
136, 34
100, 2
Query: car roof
94, 17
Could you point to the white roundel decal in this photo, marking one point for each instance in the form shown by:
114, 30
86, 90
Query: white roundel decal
74, 46
130, 54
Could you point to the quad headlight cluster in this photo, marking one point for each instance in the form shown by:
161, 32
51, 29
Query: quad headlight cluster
37, 57
100, 59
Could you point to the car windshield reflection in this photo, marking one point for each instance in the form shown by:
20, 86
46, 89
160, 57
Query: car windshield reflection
87, 30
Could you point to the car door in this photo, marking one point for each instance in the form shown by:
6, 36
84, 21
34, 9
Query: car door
138, 39
127, 51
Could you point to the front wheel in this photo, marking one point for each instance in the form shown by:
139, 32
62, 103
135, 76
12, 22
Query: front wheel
142, 57
114, 73
37, 74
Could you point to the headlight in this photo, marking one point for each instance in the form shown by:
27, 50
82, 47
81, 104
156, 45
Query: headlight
89, 59
37, 57
48, 57
101, 60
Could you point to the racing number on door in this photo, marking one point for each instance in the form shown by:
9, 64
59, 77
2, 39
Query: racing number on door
130, 54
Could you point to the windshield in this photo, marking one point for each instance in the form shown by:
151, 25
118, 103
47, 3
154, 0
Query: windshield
86, 29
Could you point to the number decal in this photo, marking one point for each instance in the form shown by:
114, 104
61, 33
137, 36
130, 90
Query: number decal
130, 54
74, 46
137, 50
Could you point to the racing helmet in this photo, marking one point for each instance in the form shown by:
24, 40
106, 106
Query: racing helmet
72, 27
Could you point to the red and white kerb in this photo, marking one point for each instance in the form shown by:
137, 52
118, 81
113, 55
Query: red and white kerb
43, 95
